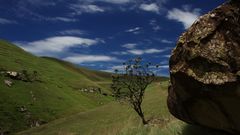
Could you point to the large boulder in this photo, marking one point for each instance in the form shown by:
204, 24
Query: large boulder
205, 71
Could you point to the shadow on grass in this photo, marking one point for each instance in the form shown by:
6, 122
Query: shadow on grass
197, 130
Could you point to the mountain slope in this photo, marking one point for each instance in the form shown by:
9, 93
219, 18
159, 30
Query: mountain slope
55, 95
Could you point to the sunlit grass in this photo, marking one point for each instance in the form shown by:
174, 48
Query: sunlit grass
117, 119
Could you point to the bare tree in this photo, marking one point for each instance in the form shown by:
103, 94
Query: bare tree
130, 83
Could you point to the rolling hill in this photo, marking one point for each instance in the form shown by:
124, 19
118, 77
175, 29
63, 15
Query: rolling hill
56, 95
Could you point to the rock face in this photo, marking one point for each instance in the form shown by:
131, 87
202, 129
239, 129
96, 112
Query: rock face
205, 71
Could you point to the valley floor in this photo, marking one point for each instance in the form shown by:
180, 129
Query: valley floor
117, 119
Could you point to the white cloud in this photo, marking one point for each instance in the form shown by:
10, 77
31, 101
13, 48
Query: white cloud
32, 10
113, 68
184, 16
55, 19
136, 52
156, 28
154, 25
108, 1
63, 19
167, 41
135, 30
164, 66
146, 51
29, 13
72, 32
82, 8
167, 56
141, 51
37, 3
164, 62
89, 58
150, 51
55, 44
92, 8
129, 45
115, 1
120, 53
96, 6
6, 21
153, 7
153, 22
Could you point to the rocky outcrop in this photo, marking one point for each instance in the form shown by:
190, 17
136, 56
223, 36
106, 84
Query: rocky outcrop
12, 74
8, 83
91, 90
205, 71
23, 75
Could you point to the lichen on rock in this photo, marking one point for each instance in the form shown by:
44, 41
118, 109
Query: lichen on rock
205, 68
210, 40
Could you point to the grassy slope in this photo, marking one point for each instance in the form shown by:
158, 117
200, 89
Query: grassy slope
116, 119
58, 99
102, 79
56, 96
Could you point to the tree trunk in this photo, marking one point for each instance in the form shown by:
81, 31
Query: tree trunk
140, 113
143, 120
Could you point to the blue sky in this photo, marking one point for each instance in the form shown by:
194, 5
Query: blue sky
100, 34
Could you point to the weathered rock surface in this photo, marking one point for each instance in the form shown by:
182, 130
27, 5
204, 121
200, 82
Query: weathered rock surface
205, 71
8, 83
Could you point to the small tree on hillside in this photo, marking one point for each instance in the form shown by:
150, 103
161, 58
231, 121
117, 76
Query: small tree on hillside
130, 83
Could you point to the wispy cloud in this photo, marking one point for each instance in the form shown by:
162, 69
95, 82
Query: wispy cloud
97, 6
55, 44
27, 8
72, 32
133, 51
129, 45
164, 66
88, 8
135, 30
63, 19
115, 1
34, 10
136, 52
184, 16
154, 25
167, 56
7, 21
167, 41
156, 28
153, 7
113, 68
120, 53
77, 59
26, 12
146, 51
37, 3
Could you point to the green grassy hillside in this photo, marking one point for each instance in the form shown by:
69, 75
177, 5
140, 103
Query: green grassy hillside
117, 119
55, 96
102, 79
